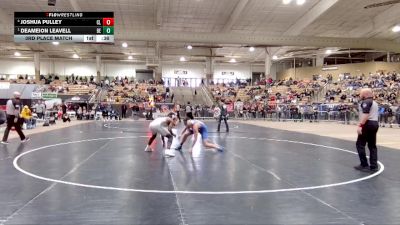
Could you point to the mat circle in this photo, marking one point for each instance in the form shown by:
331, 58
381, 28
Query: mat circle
16, 165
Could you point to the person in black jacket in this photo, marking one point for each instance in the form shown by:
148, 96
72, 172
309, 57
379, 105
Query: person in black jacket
135, 111
223, 116
124, 108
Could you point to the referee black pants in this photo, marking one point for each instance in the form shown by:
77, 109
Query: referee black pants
224, 118
189, 115
368, 136
17, 126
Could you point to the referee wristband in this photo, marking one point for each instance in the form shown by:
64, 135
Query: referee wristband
361, 125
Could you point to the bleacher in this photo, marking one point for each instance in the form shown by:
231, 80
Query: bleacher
119, 93
248, 93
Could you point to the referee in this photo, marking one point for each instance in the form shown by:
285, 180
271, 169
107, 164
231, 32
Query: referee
367, 130
223, 115
12, 111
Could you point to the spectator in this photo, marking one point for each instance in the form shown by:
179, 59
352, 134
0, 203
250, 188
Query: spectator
64, 108
177, 110
124, 108
26, 115
40, 108
189, 111
135, 111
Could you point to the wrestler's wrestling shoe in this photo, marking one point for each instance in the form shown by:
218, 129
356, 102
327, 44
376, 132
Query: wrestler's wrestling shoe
148, 149
169, 153
220, 149
179, 148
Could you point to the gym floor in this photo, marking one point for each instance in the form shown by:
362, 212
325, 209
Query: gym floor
98, 173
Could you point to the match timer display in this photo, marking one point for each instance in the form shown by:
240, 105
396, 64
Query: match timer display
90, 27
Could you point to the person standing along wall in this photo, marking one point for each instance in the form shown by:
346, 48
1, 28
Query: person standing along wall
40, 109
189, 111
12, 111
177, 110
124, 108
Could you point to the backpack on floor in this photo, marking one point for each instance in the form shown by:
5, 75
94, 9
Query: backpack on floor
52, 120
46, 123
2, 117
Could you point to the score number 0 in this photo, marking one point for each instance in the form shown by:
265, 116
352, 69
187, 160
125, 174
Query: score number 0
108, 22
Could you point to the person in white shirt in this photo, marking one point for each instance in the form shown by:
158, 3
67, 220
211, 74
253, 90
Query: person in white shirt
163, 126
40, 109
189, 111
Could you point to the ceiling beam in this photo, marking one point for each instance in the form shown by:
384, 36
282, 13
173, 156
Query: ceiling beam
381, 22
7, 28
75, 5
6, 22
159, 13
77, 8
185, 52
235, 15
245, 39
313, 14
271, 51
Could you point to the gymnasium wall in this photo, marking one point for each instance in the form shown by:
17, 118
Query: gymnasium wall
112, 69
233, 71
261, 69
80, 68
76, 68
354, 69
221, 71
17, 67
128, 70
184, 70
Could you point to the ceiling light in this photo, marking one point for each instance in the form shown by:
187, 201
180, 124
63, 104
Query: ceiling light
55, 43
124, 45
396, 28
300, 2
189, 47
130, 57
328, 52
75, 56
252, 49
275, 57
17, 54
232, 60
182, 59
286, 2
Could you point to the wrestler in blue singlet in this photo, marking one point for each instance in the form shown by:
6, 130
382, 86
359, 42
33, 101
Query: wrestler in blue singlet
202, 129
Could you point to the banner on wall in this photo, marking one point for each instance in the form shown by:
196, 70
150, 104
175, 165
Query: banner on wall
49, 95
180, 72
36, 95
330, 68
228, 73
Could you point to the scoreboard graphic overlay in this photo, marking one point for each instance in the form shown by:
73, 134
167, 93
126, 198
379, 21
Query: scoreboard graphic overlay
90, 27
